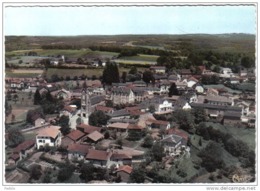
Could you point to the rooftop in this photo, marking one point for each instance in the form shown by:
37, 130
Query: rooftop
79, 148
75, 135
118, 125
125, 168
95, 136
51, 131
97, 155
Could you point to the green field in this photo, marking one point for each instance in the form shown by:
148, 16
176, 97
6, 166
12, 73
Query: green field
20, 75
78, 72
55, 52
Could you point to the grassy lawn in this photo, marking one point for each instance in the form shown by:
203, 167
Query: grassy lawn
141, 57
29, 135
55, 52
141, 62
11, 74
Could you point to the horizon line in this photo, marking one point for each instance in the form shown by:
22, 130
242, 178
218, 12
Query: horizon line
234, 33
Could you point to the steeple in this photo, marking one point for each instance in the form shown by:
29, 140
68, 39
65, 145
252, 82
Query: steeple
85, 106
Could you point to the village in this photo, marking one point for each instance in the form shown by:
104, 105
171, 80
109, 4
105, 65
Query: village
150, 130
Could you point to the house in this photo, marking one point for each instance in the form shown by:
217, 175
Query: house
13, 158
69, 110
212, 92
164, 86
231, 118
226, 73
107, 110
95, 87
78, 151
172, 142
174, 78
158, 69
122, 96
216, 111
140, 94
191, 81
139, 83
245, 107
199, 88
119, 114
163, 106
94, 137
98, 157
73, 137
124, 172
218, 100
23, 149
135, 127
159, 124
120, 127
160, 104
120, 159
49, 136
87, 129
185, 73
61, 94
234, 80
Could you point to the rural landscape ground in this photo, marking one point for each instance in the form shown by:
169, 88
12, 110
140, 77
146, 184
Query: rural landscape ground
83, 58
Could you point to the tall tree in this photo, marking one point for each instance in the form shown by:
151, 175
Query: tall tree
133, 70
157, 152
148, 77
14, 137
173, 90
98, 118
111, 73
64, 123
247, 62
184, 118
137, 175
37, 97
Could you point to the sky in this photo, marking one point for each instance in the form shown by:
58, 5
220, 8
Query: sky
67, 21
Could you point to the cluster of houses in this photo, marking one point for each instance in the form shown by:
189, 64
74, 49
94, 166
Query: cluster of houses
138, 102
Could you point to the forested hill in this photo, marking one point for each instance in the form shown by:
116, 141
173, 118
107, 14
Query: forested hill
235, 43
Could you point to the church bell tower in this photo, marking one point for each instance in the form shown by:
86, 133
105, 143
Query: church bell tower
85, 106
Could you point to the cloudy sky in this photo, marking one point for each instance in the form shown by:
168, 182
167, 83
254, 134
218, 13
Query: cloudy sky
61, 21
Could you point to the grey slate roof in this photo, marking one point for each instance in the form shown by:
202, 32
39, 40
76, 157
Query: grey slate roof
97, 99
220, 107
119, 113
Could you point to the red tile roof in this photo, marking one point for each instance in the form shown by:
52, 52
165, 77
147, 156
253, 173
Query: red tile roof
135, 126
51, 131
97, 155
95, 136
87, 128
125, 168
79, 148
24, 146
75, 135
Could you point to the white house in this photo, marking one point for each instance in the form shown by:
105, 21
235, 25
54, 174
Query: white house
226, 73
199, 88
49, 136
186, 106
164, 106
